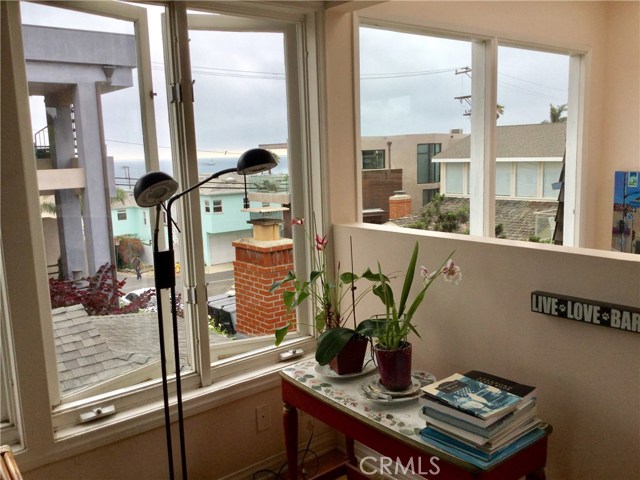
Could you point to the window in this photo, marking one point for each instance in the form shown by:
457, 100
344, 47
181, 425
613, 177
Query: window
372, 159
526, 179
410, 103
503, 179
428, 194
551, 175
207, 206
127, 372
428, 171
455, 178
519, 107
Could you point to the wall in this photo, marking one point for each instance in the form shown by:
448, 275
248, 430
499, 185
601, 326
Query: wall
588, 376
220, 442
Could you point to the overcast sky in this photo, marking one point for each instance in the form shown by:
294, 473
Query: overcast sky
409, 84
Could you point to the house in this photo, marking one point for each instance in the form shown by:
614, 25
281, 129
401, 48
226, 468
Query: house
411, 154
588, 376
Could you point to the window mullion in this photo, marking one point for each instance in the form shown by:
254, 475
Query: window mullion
572, 174
483, 129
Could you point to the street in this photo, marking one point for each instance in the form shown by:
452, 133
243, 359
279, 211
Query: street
217, 282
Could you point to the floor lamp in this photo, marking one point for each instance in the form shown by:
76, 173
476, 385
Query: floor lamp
152, 190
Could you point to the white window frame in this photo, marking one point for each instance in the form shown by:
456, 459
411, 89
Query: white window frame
216, 207
139, 406
484, 86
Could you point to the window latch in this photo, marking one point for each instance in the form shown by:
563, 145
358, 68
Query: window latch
96, 413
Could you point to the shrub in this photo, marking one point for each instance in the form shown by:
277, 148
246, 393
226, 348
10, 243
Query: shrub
99, 294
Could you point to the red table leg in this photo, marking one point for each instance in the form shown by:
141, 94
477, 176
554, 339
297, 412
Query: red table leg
290, 422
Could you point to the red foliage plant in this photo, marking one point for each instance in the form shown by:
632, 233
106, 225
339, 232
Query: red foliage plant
99, 294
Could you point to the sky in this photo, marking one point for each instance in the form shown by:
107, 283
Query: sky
409, 84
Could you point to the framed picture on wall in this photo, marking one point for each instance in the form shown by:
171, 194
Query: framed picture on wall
625, 231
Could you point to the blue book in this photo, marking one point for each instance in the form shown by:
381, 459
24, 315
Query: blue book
486, 401
475, 456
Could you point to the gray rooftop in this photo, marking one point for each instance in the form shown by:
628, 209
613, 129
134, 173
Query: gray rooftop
516, 216
541, 140
84, 356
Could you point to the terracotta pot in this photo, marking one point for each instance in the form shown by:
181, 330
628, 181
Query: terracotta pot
351, 357
394, 367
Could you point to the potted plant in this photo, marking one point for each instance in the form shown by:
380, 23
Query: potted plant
340, 344
390, 329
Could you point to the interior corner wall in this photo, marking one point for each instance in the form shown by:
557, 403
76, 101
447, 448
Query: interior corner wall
620, 111
588, 376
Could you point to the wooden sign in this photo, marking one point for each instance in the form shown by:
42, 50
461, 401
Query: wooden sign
587, 311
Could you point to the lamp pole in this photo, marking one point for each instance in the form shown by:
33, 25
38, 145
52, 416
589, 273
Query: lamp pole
152, 190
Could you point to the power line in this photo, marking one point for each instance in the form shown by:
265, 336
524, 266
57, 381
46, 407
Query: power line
226, 152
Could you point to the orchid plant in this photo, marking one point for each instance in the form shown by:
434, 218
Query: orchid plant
392, 327
329, 294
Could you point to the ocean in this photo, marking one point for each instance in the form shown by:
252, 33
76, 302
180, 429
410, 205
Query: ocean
134, 169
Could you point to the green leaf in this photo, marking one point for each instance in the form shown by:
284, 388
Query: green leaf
281, 333
348, 277
408, 279
384, 293
331, 342
371, 327
314, 276
289, 299
321, 321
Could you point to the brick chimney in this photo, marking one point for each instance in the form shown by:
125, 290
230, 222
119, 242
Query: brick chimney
399, 205
260, 261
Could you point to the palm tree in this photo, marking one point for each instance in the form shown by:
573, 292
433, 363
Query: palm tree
555, 113
499, 110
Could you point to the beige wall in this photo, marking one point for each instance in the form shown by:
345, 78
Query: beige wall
220, 442
588, 376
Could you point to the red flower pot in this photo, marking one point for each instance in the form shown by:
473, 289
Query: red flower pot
394, 367
351, 357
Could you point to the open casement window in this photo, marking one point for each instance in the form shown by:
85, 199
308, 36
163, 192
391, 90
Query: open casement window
9, 424
247, 78
89, 80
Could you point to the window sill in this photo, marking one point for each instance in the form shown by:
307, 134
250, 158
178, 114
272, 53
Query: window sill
229, 385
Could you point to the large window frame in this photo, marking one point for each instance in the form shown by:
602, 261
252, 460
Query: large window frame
140, 403
482, 167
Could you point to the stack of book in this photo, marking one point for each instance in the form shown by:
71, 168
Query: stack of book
479, 417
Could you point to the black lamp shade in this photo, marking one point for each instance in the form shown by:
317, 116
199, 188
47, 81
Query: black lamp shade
256, 160
154, 188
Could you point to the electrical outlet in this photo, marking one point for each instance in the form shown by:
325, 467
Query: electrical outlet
263, 419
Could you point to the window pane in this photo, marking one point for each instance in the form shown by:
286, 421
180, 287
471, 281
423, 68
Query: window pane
455, 172
372, 159
503, 178
551, 175
531, 133
428, 171
414, 100
526, 179
85, 101
243, 74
